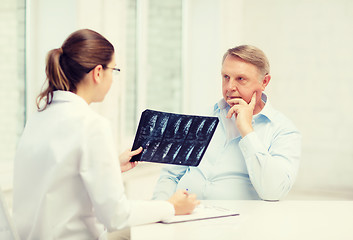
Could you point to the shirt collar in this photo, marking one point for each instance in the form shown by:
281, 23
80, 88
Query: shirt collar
67, 96
267, 110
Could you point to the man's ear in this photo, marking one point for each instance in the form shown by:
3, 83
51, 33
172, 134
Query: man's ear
97, 74
265, 81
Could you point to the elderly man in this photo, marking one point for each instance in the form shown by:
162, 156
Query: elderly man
255, 151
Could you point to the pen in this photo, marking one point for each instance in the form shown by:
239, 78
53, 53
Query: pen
187, 192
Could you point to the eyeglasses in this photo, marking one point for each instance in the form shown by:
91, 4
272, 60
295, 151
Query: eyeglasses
114, 69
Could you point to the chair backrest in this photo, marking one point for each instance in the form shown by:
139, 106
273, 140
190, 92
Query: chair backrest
7, 227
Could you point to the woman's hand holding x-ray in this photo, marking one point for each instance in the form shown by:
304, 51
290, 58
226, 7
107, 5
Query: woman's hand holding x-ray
125, 157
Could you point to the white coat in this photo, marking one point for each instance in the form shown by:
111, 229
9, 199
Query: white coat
67, 179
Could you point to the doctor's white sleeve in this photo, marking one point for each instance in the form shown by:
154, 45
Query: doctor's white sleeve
100, 171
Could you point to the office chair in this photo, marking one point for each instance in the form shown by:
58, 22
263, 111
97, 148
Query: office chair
7, 227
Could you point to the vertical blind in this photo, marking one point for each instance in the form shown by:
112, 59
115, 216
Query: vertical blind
12, 82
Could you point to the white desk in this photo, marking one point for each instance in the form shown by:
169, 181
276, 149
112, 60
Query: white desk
283, 220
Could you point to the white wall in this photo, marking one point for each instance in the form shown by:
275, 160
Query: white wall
211, 27
202, 54
49, 22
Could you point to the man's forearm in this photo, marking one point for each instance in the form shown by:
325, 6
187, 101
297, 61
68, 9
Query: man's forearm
272, 173
164, 189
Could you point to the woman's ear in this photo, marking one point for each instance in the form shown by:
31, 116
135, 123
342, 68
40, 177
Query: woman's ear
265, 81
97, 74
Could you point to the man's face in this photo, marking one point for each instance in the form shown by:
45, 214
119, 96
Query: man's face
241, 79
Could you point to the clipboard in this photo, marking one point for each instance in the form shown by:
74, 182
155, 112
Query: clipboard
202, 212
173, 138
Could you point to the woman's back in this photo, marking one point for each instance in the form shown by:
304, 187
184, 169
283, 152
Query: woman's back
49, 191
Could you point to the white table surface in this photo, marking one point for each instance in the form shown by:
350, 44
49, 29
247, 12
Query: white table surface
285, 220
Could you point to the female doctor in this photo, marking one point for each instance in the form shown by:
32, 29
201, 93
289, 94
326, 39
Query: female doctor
67, 180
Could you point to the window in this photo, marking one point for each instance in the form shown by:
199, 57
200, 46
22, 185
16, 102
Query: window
12, 83
154, 59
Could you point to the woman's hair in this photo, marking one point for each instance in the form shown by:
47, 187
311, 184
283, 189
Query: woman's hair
81, 52
251, 55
